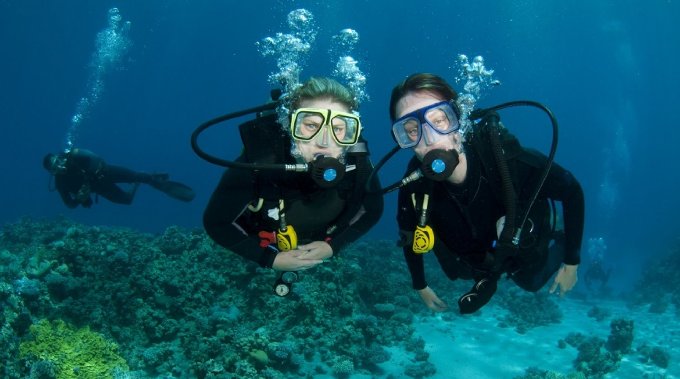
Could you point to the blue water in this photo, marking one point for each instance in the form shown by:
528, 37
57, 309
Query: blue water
606, 69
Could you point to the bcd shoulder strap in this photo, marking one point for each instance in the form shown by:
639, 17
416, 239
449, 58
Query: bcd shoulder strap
264, 140
358, 155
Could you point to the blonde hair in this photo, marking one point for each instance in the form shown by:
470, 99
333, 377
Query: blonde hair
323, 88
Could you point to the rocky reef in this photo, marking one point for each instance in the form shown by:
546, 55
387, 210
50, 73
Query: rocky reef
177, 305
659, 285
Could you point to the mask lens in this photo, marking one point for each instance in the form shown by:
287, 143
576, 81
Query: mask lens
441, 119
407, 132
345, 129
307, 124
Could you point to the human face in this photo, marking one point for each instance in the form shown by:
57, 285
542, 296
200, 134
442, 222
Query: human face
323, 143
443, 138
57, 164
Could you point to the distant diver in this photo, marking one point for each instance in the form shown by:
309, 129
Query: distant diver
79, 174
595, 277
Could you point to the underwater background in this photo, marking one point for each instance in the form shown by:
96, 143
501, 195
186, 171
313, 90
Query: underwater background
607, 69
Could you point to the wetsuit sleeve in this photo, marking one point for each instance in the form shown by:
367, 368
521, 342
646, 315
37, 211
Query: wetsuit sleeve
562, 186
368, 215
406, 218
229, 201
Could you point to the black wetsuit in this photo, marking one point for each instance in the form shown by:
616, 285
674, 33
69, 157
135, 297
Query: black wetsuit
463, 218
310, 209
88, 173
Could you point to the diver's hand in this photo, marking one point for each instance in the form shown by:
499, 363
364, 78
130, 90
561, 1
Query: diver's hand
294, 260
316, 250
431, 300
566, 279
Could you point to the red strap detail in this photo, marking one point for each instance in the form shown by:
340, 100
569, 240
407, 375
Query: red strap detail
327, 239
266, 238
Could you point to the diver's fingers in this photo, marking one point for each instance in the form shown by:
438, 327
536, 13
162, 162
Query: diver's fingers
553, 287
439, 305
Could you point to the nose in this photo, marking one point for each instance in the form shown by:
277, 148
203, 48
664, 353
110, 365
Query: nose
322, 139
428, 134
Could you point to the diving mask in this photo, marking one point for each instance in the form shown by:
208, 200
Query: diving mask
307, 123
55, 163
441, 118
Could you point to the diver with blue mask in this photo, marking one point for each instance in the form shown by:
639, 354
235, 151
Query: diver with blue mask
480, 201
296, 195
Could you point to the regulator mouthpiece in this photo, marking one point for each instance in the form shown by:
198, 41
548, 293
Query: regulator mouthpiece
326, 171
439, 164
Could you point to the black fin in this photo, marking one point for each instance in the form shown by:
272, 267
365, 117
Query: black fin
175, 190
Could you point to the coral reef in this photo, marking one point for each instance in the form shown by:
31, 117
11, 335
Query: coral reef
654, 355
621, 337
599, 313
180, 306
659, 285
597, 357
55, 347
593, 360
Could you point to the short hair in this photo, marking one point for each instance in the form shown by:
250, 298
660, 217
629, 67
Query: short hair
323, 88
421, 82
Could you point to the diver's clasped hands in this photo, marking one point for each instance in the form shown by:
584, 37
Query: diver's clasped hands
304, 257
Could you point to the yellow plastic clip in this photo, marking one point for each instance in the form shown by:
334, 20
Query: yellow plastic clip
423, 239
286, 239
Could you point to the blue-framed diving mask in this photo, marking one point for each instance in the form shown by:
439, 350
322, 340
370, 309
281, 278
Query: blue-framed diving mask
441, 118
307, 123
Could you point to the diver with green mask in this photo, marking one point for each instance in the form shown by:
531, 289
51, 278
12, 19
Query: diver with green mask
296, 195
480, 201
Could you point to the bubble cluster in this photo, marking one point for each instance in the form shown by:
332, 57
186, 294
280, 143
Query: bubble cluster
346, 67
597, 247
347, 70
475, 79
290, 49
111, 45
345, 40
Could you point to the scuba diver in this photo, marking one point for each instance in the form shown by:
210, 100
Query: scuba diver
486, 199
267, 207
596, 277
79, 173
